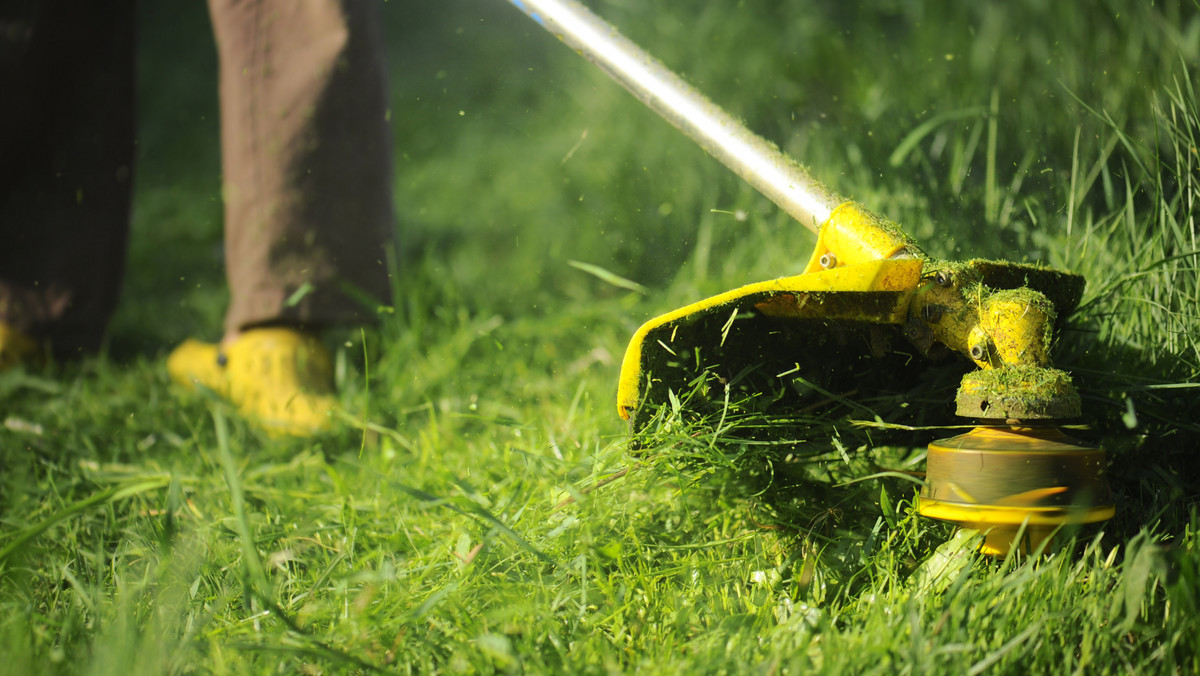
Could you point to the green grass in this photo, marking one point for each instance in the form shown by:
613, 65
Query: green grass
490, 518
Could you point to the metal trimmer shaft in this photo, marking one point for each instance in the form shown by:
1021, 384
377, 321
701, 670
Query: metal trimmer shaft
751, 157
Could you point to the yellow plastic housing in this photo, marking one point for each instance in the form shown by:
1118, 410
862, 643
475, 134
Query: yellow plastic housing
853, 235
829, 294
1003, 480
1005, 527
857, 252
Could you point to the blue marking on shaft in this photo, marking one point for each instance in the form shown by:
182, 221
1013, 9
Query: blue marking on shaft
532, 15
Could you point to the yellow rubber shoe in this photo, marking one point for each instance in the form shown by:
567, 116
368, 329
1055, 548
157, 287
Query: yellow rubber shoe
15, 347
279, 379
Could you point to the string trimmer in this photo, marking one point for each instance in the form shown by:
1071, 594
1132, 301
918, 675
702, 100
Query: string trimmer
1016, 472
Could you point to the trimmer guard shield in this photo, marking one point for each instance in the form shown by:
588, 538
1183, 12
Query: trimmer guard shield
779, 323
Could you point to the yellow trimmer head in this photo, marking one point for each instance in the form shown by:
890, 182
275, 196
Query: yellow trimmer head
867, 294
1015, 476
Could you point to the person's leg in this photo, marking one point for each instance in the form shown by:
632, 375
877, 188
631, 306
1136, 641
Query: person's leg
306, 153
66, 159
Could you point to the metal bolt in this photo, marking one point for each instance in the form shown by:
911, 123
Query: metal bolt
917, 332
944, 278
828, 261
978, 352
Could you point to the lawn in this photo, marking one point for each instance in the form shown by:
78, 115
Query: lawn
477, 508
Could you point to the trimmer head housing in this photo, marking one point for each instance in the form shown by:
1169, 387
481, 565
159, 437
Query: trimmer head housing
1009, 481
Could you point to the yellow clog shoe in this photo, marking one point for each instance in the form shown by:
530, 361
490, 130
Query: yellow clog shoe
15, 347
280, 379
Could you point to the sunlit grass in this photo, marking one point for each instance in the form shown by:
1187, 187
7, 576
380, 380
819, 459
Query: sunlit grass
488, 517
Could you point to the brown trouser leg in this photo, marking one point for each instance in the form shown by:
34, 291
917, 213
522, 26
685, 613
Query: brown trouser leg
66, 155
306, 152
